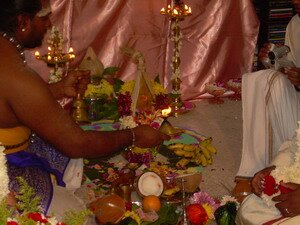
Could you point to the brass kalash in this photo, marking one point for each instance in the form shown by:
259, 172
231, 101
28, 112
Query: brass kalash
79, 110
58, 60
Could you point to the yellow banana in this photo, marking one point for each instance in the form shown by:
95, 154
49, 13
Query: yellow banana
197, 159
205, 152
184, 153
189, 148
206, 142
203, 160
176, 146
212, 149
210, 160
182, 162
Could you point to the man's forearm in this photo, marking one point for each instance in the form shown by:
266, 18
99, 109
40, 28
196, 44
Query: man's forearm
56, 90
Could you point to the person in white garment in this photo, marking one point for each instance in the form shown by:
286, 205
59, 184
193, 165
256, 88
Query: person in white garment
279, 208
270, 101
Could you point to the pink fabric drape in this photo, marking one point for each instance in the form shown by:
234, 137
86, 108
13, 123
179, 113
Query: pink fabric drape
218, 40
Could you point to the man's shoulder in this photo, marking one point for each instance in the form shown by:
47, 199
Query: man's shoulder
295, 20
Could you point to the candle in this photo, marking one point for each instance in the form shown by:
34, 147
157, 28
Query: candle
49, 57
49, 48
190, 10
71, 50
163, 11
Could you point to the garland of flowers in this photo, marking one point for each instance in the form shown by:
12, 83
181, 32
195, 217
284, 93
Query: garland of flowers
3, 175
55, 40
285, 174
176, 38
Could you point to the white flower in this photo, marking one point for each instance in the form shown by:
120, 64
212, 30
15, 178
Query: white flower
227, 198
127, 122
4, 180
52, 220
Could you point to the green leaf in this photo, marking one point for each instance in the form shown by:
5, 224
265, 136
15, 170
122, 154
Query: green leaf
167, 216
156, 79
27, 199
110, 70
117, 85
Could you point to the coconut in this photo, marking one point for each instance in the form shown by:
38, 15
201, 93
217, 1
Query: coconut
150, 183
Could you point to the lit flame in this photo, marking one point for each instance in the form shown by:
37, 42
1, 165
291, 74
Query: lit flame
166, 112
37, 55
175, 12
71, 50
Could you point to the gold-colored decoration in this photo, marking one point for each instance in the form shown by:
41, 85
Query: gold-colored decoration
55, 57
166, 127
176, 11
79, 110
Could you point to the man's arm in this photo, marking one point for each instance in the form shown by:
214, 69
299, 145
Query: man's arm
34, 106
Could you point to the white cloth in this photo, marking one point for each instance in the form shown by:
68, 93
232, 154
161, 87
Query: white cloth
73, 173
270, 109
292, 39
64, 200
270, 115
253, 210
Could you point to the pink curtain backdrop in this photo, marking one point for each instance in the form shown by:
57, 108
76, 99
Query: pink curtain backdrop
218, 40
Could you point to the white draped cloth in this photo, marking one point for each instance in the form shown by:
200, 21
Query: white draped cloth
270, 109
254, 210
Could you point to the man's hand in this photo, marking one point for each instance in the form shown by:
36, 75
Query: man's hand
263, 52
258, 178
75, 82
293, 74
146, 136
289, 204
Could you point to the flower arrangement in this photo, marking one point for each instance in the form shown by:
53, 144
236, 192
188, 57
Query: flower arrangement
201, 208
114, 99
283, 174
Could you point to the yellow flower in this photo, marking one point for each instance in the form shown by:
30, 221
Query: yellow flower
127, 87
157, 88
209, 210
103, 89
133, 215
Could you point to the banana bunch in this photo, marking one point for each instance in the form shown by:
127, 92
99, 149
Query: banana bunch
200, 154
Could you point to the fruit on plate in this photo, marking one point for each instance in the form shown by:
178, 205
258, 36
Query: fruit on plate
150, 183
151, 203
200, 154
